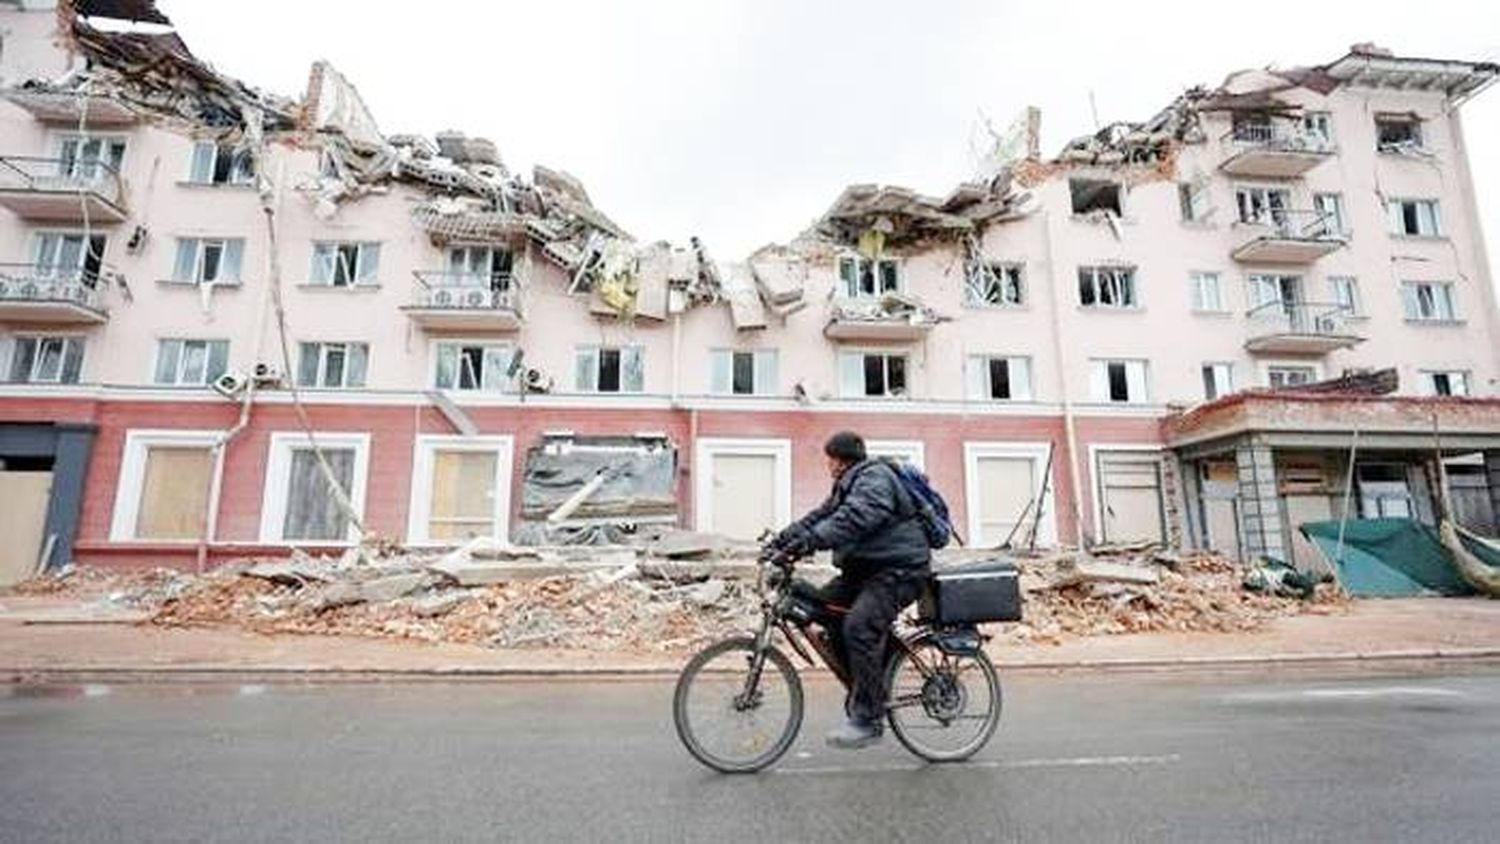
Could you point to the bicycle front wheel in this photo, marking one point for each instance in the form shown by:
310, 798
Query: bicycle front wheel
943, 707
728, 723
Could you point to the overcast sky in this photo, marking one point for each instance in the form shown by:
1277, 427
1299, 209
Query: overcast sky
742, 121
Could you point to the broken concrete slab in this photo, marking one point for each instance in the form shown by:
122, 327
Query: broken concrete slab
390, 588
439, 603
745, 306
685, 544
1093, 571
291, 572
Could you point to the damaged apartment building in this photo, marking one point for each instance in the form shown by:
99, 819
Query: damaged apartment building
233, 323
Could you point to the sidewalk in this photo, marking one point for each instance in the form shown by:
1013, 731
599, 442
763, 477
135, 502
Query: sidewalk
38, 642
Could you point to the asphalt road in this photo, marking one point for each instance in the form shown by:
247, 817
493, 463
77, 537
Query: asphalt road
1167, 757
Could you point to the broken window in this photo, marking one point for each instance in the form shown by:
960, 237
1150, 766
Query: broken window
1344, 291
1330, 210
1192, 201
1428, 301
875, 375
345, 264
69, 256
221, 164
1253, 127
1218, 380
481, 266
1264, 289
208, 260
608, 369
190, 362
1397, 132
1318, 127
1000, 378
81, 157
866, 278
998, 284
1117, 381
1414, 217
312, 511
474, 366
1090, 195
1106, 287
1263, 206
46, 360
1282, 377
744, 373
1208, 294
332, 365
1447, 382
174, 492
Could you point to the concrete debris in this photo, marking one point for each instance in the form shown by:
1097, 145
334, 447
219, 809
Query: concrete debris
1071, 572
887, 216
890, 308
745, 306
683, 544
440, 603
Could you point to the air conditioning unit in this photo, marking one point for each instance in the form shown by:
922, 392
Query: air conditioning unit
231, 385
476, 299
267, 373
536, 381
137, 240
442, 298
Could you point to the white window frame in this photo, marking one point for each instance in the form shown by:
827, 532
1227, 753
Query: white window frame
106, 143
1267, 366
128, 489
996, 273
1253, 205
624, 389
911, 451
1331, 204
1196, 288
758, 356
322, 373
177, 379
278, 476
53, 268
424, 458
1274, 282
1124, 277
1429, 381
435, 351
67, 339
1355, 308
227, 272
975, 450
1411, 300
1395, 209
703, 490
239, 174
1220, 390
1319, 124
1193, 201
357, 276
1419, 131
1104, 399
981, 380
875, 266
883, 353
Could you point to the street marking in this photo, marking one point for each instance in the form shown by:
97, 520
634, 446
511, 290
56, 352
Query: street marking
1063, 762
252, 689
1336, 694
95, 691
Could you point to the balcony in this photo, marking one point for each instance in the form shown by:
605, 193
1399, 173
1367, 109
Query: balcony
1300, 328
36, 294
1288, 237
892, 317
58, 190
71, 109
1269, 151
465, 302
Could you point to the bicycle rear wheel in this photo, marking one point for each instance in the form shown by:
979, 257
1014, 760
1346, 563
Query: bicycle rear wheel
943, 707
724, 724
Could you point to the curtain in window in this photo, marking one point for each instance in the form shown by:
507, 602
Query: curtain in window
311, 511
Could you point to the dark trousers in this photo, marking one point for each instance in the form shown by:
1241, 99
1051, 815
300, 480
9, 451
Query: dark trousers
874, 601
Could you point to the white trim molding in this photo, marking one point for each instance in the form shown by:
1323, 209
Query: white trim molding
912, 451
138, 442
424, 450
703, 490
1037, 452
278, 474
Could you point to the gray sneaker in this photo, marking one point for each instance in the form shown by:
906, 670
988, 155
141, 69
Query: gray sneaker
853, 735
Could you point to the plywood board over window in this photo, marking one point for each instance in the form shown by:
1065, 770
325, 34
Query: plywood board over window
163, 492
460, 489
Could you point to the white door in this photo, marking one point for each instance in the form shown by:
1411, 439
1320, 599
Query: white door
1130, 496
23, 520
1003, 486
744, 495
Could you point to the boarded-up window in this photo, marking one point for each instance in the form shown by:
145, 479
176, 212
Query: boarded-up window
174, 492
463, 495
311, 509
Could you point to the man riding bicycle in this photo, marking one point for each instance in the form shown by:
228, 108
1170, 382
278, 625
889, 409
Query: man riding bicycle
881, 550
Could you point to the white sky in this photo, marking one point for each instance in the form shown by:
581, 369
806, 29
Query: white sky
742, 121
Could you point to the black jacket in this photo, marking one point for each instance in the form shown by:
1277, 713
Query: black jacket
869, 522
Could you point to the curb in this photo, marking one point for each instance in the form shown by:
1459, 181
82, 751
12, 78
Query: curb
336, 674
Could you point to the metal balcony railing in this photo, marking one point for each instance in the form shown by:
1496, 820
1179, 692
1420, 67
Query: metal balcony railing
1293, 224
1320, 319
60, 175
1275, 137
42, 283
466, 291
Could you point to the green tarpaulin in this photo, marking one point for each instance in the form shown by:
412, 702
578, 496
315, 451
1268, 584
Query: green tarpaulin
1392, 558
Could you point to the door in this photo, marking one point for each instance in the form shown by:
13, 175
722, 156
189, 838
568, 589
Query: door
1004, 486
23, 522
1301, 509
1130, 496
744, 495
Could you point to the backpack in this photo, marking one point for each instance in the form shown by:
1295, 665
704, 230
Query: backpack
931, 509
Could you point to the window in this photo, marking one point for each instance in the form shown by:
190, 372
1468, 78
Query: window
1265, 289
1208, 293
69, 256
345, 264
474, 366
1343, 290
80, 157
1397, 132
208, 261
1282, 377
1330, 211
1428, 300
864, 278
46, 360
481, 266
164, 484
881, 375
1192, 199
221, 164
998, 285
742, 373
461, 488
1252, 126
1318, 126
299, 505
610, 369
1218, 380
1263, 206
191, 362
1090, 195
1452, 382
1414, 217
1117, 381
1000, 378
332, 364
1106, 287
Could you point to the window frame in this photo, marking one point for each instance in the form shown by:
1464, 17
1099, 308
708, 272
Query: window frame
424, 460
997, 277
1411, 301
1393, 147
1270, 367
1434, 217
1214, 367
357, 274
1195, 292
980, 378
851, 289
1338, 215
1465, 376
321, 376
69, 341
231, 260
1118, 271
505, 382
241, 168
886, 355
1353, 309
130, 484
597, 350
1105, 398
276, 492
209, 344
1249, 212
758, 367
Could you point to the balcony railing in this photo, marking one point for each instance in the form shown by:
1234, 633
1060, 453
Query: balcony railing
1278, 137
61, 188
1300, 327
466, 300
1273, 150
41, 293
1286, 236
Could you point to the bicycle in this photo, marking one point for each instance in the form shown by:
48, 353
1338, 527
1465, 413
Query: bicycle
928, 698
